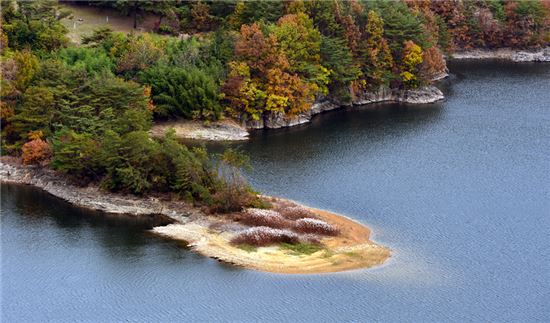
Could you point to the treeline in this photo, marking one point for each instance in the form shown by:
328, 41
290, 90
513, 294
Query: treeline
88, 108
277, 57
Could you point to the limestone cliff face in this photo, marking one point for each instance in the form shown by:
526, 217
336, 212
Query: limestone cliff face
427, 94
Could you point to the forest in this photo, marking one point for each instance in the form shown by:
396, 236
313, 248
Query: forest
85, 109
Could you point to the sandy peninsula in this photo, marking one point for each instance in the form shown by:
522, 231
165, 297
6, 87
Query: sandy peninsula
350, 249
213, 235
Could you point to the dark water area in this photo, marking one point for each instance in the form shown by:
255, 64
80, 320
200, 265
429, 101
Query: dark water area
459, 190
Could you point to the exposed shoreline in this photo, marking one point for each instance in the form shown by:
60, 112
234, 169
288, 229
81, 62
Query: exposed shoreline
210, 235
224, 130
230, 130
514, 55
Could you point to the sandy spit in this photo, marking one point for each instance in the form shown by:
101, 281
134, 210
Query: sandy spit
210, 235
352, 249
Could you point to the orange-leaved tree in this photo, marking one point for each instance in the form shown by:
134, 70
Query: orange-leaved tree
36, 150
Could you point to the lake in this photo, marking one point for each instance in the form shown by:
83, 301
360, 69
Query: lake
459, 190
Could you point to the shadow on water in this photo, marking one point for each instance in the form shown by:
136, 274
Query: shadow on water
36, 208
32, 200
314, 139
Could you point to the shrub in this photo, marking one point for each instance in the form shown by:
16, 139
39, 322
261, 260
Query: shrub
263, 236
316, 226
266, 218
35, 151
230, 198
296, 213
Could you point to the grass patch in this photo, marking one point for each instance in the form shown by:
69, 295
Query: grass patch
247, 247
302, 248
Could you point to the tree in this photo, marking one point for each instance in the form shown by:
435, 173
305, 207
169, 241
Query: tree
188, 92
141, 52
526, 23
322, 13
337, 57
34, 24
433, 64
17, 73
35, 151
265, 11
35, 113
412, 58
400, 25
200, 16
76, 154
260, 82
377, 59
93, 60
301, 44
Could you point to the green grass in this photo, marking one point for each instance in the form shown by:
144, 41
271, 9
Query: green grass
247, 247
302, 248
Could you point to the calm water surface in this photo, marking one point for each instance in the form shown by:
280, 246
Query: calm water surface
459, 190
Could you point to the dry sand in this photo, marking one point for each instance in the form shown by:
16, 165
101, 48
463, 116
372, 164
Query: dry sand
352, 249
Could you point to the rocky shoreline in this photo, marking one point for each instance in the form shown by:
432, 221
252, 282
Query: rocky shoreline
424, 95
230, 130
514, 55
92, 197
211, 235
224, 130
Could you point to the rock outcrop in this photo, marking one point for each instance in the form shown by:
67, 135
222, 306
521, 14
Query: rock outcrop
540, 55
427, 94
226, 129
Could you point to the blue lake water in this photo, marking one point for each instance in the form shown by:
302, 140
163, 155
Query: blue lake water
458, 190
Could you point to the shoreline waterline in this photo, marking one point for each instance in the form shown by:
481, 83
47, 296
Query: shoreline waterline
208, 234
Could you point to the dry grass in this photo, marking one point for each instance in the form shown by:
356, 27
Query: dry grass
296, 212
264, 236
315, 226
265, 218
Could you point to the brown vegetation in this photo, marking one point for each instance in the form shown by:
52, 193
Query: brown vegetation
315, 226
263, 236
35, 151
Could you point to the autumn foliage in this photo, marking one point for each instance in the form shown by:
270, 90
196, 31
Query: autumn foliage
94, 103
260, 81
35, 151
